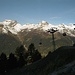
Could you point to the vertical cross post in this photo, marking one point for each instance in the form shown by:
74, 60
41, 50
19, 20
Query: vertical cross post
52, 31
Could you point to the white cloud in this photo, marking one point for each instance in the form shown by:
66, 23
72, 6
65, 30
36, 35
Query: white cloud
55, 17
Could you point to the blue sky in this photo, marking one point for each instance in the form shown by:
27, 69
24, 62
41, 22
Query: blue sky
34, 11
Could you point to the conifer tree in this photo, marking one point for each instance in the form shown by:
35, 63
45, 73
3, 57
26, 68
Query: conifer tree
12, 61
3, 63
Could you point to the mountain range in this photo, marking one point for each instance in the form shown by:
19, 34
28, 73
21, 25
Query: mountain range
13, 34
14, 27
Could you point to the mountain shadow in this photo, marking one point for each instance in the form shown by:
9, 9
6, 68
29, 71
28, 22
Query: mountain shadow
50, 63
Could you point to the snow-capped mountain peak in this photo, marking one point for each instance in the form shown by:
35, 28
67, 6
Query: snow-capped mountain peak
11, 26
43, 23
9, 22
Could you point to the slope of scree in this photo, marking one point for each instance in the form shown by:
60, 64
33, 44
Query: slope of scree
8, 43
38, 36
